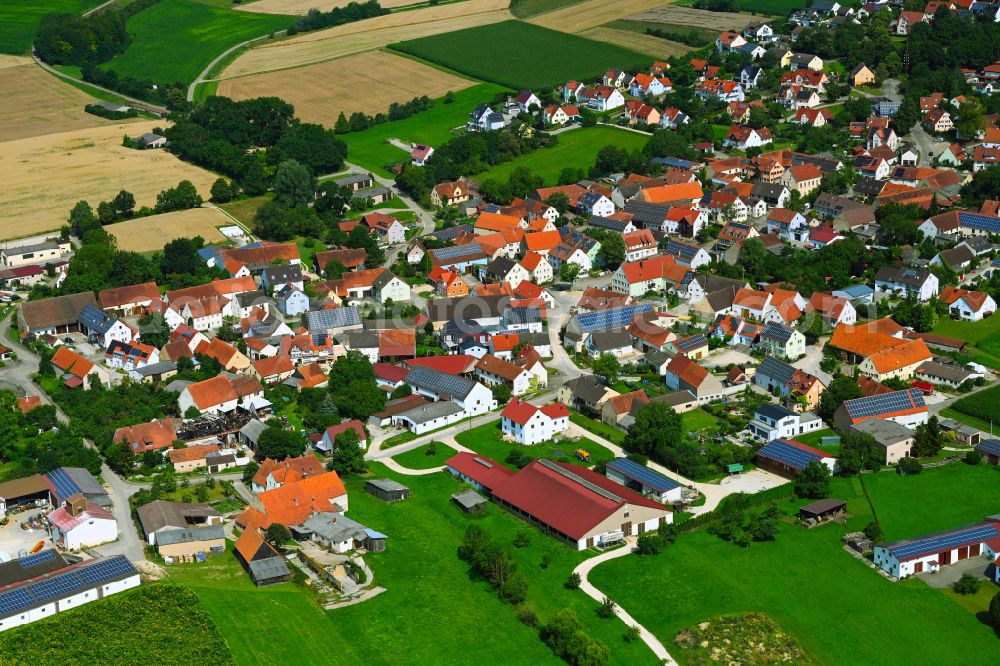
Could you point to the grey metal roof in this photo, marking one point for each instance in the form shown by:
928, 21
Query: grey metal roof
607, 340
439, 383
363, 340
387, 484
335, 526
586, 388
469, 498
885, 432
284, 273
34, 247
429, 411
155, 368
775, 412
189, 534
451, 232
272, 567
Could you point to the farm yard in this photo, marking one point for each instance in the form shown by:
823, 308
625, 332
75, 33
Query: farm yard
695, 18
371, 150
174, 40
92, 165
38, 103
580, 16
802, 580
543, 57
320, 92
578, 148
366, 35
146, 234
300, 7
20, 19
425, 583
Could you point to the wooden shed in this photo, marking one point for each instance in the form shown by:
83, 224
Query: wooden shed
823, 510
388, 490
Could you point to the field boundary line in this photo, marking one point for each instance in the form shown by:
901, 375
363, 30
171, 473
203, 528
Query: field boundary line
138, 103
208, 68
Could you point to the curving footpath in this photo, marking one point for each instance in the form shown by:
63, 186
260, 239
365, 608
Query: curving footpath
584, 569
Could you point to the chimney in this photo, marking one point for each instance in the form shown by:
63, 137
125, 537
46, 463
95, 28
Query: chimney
76, 504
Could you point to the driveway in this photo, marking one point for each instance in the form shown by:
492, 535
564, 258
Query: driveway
949, 574
811, 362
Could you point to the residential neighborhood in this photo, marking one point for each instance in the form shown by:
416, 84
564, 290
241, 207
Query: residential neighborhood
606, 348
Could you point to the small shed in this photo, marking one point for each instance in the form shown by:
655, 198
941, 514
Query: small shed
388, 490
469, 500
823, 510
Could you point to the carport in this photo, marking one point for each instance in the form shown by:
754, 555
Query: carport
24, 492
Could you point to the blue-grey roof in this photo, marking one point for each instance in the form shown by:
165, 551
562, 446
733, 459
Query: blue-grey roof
189, 534
451, 232
774, 412
95, 320
647, 477
272, 567
86, 576
779, 371
857, 291
774, 331
883, 404
607, 223
611, 318
682, 251
674, 162
458, 254
935, 543
692, 342
973, 220
72, 480
791, 453
336, 318
439, 383
990, 446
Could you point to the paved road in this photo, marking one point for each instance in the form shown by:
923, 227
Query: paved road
202, 77
584, 569
137, 103
929, 149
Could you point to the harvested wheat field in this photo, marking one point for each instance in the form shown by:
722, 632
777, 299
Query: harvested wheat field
367, 35
577, 18
654, 46
696, 18
299, 7
36, 102
146, 234
44, 176
320, 92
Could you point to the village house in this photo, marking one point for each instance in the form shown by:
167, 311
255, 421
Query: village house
930, 553
77, 371
968, 305
905, 407
772, 422
528, 424
788, 457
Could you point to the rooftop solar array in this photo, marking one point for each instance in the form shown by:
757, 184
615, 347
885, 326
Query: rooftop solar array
786, 452
990, 446
644, 475
439, 383
32, 560
451, 232
682, 251
457, 252
696, 341
85, 576
886, 403
778, 371
775, 331
64, 485
941, 542
613, 318
336, 318
977, 221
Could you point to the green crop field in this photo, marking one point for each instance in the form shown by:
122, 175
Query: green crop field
528, 8
486, 439
577, 149
422, 457
772, 7
371, 149
118, 632
807, 583
981, 405
521, 55
174, 40
433, 610
20, 19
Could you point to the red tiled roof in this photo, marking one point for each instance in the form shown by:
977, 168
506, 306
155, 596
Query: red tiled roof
481, 469
190, 453
355, 425
292, 503
453, 364
687, 370
136, 293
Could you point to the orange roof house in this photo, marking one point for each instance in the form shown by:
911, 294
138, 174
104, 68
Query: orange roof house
689, 193
899, 361
496, 222
293, 502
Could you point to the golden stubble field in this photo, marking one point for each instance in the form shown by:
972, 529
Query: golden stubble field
321, 91
579, 17
696, 18
146, 234
45, 175
36, 102
652, 46
367, 35
299, 7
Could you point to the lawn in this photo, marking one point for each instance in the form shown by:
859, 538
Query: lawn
245, 210
433, 609
20, 19
807, 584
174, 40
936, 499
577, 148
599, 428
983, 336
371, 149
423, 458
486, 440
542, 57
697, 419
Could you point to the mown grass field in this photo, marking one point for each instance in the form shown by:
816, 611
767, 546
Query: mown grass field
577, 149
174, 40
541, 56
422, 457
807, 583
486, 440
433, 611
527, 8
983, 336
371, 149
19, 20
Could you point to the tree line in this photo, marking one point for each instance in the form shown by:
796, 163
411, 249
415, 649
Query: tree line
361, 121
353, 11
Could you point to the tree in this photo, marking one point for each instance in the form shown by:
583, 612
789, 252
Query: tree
968, 584
180, 257
994, 610
814, 481
609, 367
612, 252
82, 218
250, 470
106, 212
277, 534
124, 203
559, 201
352, 383
970, 119
840, 389
154, 329
573, 582
515, 589
649, 544
873, 531
342, 126
656, 432
279, 444
568, 271
293, 184
859, 451
502, 393
182, 197
222, 191
909, 466
928, 438
347, 457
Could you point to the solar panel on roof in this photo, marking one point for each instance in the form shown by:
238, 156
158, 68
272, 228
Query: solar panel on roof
991, 446
875, 405
14, 600
55, 587
106, 570
978, 221
450, 253
647, 477
32, 560
786, 453
439, 382
943, 541
613, 318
